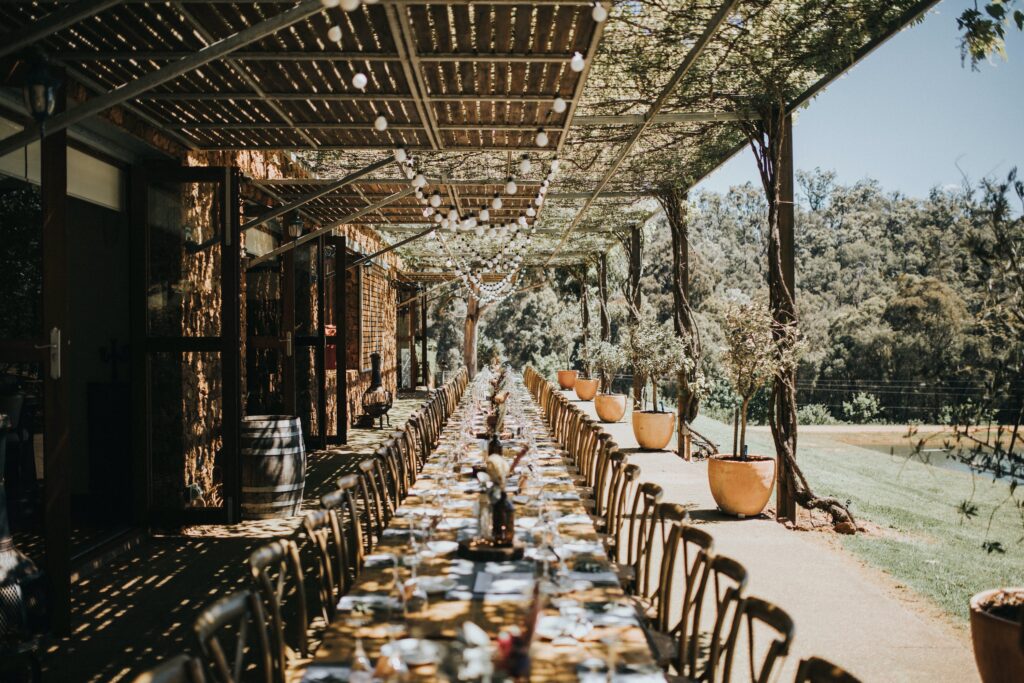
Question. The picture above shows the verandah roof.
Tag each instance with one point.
(466, 86)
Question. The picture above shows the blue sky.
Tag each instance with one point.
(909, 114)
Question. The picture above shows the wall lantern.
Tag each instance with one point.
(40, 90)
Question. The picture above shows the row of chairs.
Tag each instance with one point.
(693, 600)
(338, 536)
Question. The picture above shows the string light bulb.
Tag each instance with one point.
(435, 199)
(542, 138)
(328, 4)
(350, 5)
(599, 13)
(525, 166)
(359, 81)
(576, 63)
(485, 215)
(559, 105)
(510, 186)
(419, 180)
(334, 34)
(400, 154)
(496, 202)
(380, 123)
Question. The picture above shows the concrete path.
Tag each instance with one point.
(844, 611)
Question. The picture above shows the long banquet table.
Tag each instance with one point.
(493, 595)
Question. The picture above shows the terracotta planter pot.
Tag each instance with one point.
(741, 487)
(610, 407)
(567, 378)
(652, 430)
(998, 645)
(586, 389)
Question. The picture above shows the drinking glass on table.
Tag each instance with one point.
(362, 669)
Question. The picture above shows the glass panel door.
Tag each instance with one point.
(188, 330)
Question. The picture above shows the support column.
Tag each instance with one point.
(56, 387)
(602, 293)
(414, 365)
(321, 348)
(635, 267)
(341, 338)
(424, 362)
(584, 306)
(288, 330)
(785, 502)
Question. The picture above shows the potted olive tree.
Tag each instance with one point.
(587, 385)
(655, 352)
(566, 378)
(607, 358)
(756, 348)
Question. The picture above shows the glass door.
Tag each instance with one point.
(186, 342)
(270, 337)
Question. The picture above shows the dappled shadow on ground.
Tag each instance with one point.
(139, 609)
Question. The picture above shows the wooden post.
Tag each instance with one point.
(321, 349)
(341, 340)
(635, 267)
(56, 386)
(785, 503)
(424, 362)
(602, 292)
(584, 308)
(288, 332)
(414, 366)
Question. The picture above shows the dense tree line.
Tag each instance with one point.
(891, 291)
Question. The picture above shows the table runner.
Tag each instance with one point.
(587, 618)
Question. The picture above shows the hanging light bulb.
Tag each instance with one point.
(479, 231)
(559, 105)
(438, 217)
(435, 199)
(599, 13)
(522, 221)
(453, 215)
(380, 123)
(419, 180)
(328, 4)
(531, 212)
(524, 164)
(427, 212)
(538, 200)
(334, 34)
(576, 63)
(400, 154)
(510, 186)
(485, 215)
(448, 263)
(350, 5)
(496, 202)
(359, 81)
(542, 138)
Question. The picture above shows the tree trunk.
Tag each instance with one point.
(673, 202)
(473, 311)
(768, 139)
(743, 427)
(585, 319)
(633, 247)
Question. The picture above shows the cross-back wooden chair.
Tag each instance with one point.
(655, 578)
(324, 533)
(626, 484)
(278, 578)
(372, 517)
(604, 497)
(728, 582)
(236, 616)
(641, 514)
(386, 483)
(343, 502)
(759, 616)
(818, 670)
(179, 669)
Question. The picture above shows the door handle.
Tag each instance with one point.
(287, 339)
(54, 347)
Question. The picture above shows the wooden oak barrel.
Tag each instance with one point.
(273, 466)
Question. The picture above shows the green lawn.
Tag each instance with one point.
(931, 548)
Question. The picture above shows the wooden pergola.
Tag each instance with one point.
(647, 102)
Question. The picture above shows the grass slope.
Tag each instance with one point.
(932, 549)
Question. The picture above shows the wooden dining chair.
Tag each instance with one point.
(232, 619)
(279, 580)
(372, 517)
(657, 574)
(386, 484)
(759, 616)
(178, 669)
(343, 502)
(727, 583)
(625, 485)
(641, 513)
(323, 532)
(818, 670)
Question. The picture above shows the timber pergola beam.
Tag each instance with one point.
(328, 229)
(195, 60)
(51, 23)
(684, 67)
(325, 190)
